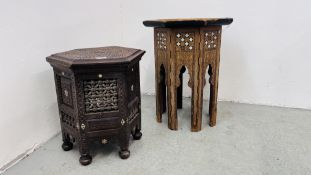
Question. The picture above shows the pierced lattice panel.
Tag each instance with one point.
(184, 41)
(68, 120)
(161, 39)
(211, 39)
(100, 95)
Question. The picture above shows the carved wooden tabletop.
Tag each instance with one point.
(99, 55)
(188, 22)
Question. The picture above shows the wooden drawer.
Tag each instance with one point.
(103, 124)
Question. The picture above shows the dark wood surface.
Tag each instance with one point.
(188, 22)
(95, 56)
(98, 101)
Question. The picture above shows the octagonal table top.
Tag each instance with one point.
(188, 22)
(95, 56)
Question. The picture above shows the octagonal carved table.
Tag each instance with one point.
(181, 44)
(98, 94)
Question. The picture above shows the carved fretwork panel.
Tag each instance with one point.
(211, 44)
(185, 53)
(211, 39)
(161, 40)
(100, 95)
(209, 60)
(184, 41)
(184, 59)
(68, 121)
(162, 45)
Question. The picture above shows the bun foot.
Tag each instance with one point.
(124, 154)
(85, 159)
(137, 135)
(67, 146)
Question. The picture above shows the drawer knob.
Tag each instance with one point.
(132, 69)
(100, 75)
(122, 122)
(132, 88)
(82, 126)
(104, 141)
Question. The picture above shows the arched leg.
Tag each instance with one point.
(213, 72)
(172, 99)
(197, 98)
(180, 88)
(163, 91)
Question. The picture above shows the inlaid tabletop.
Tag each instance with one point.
(99, 55)
(188, 22)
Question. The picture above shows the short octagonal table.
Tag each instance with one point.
(98, 94)
(181, 44)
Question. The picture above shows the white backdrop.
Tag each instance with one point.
(265, 56)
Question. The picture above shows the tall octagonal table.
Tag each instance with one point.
(181, 44)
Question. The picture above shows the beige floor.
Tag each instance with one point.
(248, 139)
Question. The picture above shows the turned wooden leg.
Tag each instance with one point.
(137, 134)
(197, 99)
(213, 72)
(172, 101)
(137, 131)
(180, 88)
(85, 158)
(67, 144)
(124, 152)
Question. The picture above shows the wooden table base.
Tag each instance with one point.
(193, 45)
